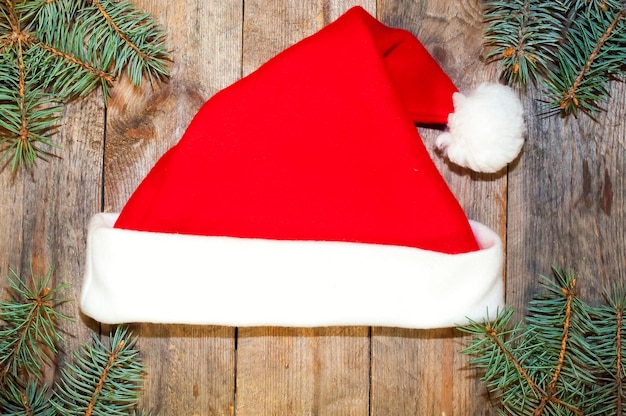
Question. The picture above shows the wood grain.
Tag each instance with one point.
(319, 371)
(422, 373)
(567, 202)
(561, 203)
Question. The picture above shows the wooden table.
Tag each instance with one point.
(561, 203)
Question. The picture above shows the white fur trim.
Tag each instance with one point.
(486, 129)
(135, 276)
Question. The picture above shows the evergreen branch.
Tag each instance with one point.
(569, 102)
(102, 380)
(103, 376)
(103, 75)
(493, 335)
(552, 317)
(54, 51)
(571, 352)
(520, 34)
(617, 302)
(30, 401)
(117, 30)
(618, 364)
(70, 70)
(25, 123)
(13, 21)
(36, 114)
(507, 359)
(574, 49)
(49, 13)
(22, 144)
(569, 293)
(610, 350)
(131, 34)
(30, 332)
(107, 377)
(23, 132)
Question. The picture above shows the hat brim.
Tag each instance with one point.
(137, 276)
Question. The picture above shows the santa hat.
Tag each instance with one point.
(302, 195)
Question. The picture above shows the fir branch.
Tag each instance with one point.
(23, 146)
(102, 380)
(520, 34)
(117, 27)
(555, 317)
(566, 358)
(573, 49)
(586, 65)
(619, 352)
(26, 121)
(56, 51)
(73, 61)
(568, 287)
(29, 401)
(611, 351)
(507, 357)
(619, 369)
(29, 334)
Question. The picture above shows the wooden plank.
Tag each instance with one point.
(44, 213)
(285, 370)
(11, 222)
(296, 371)
(190, 369)
(415, 371)
(76, 181)
(567, 202)
(272, 26)
(565, 206)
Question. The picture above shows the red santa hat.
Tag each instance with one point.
(302, 195)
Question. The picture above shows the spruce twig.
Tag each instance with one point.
(55, 51)
(566, 358)
(555, 317)
(29, 334)
(611, 351)
(573, 49)
(103, 380)
(29, 401)
(581, 80)
(519, 35)
(494, 347)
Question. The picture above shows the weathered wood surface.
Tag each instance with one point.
(561, 203)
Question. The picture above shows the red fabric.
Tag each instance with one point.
(317, 144)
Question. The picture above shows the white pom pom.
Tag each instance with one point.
(486, 130)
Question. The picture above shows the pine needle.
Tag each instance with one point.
(29, 401)
(520, 34)
(103, 379)
(592, 60)
(56, 51)
(573, 49)
(29, 334)
(566, 358)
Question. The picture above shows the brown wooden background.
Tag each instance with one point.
(561, 203)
